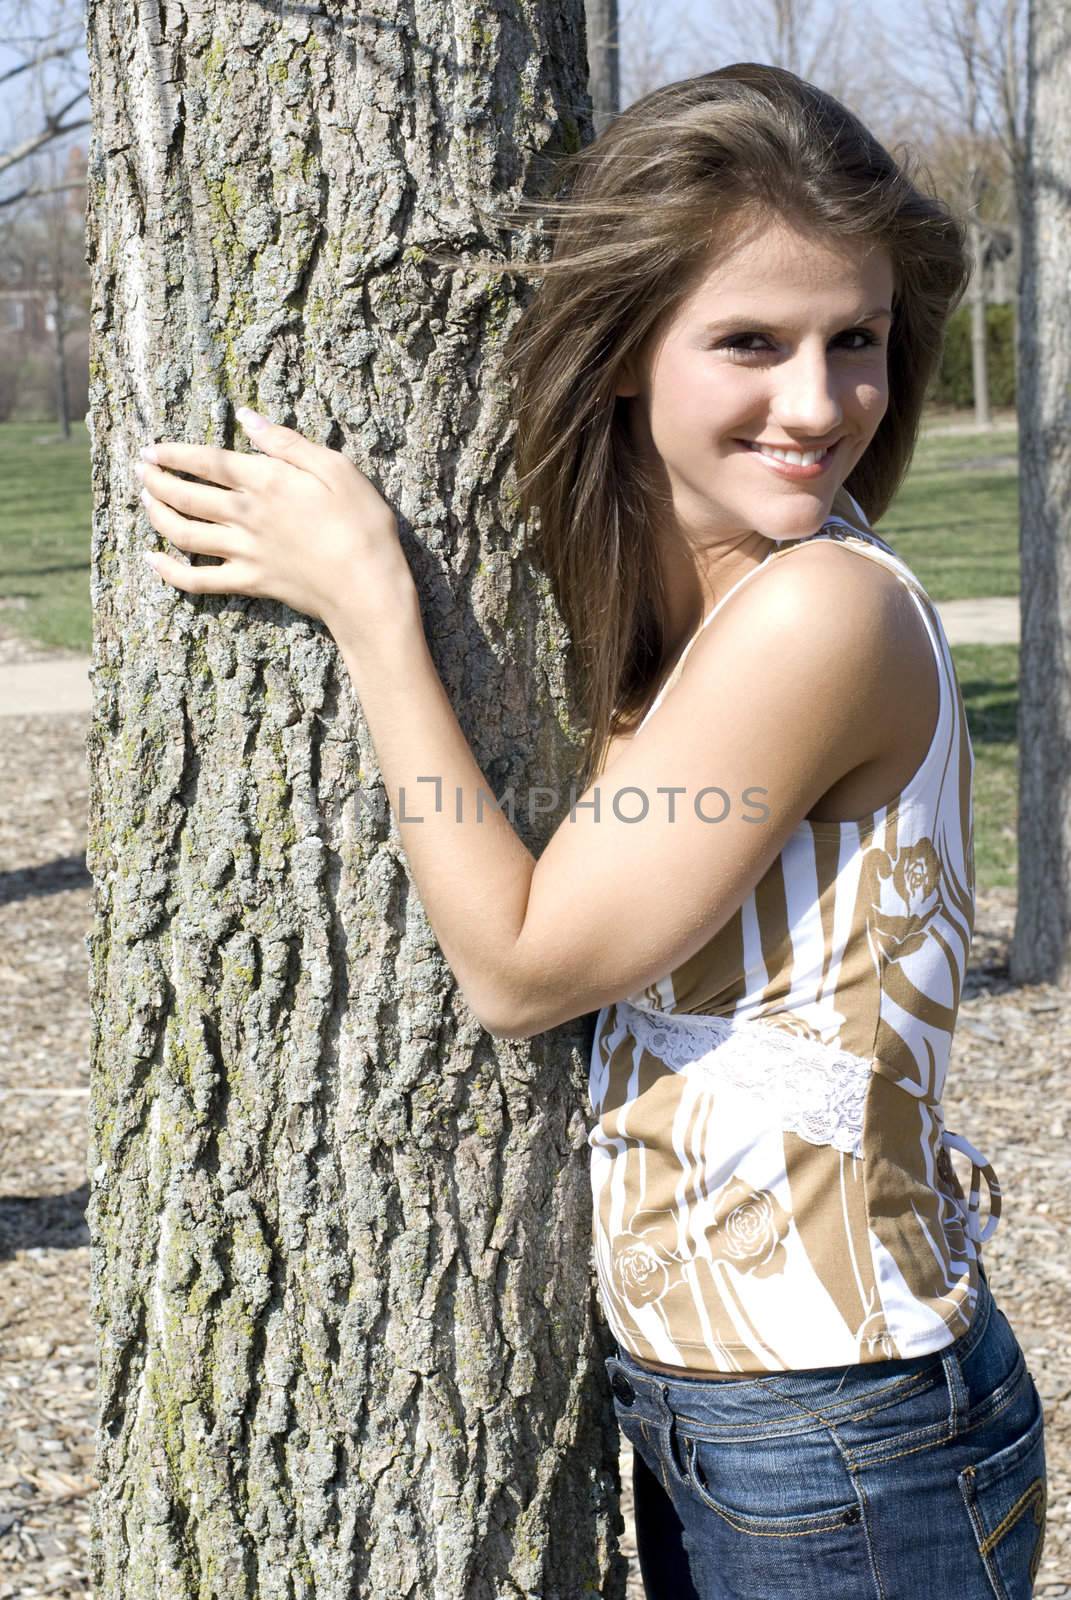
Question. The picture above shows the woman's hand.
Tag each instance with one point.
(304, 526)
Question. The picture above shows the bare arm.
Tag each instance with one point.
(473, 876)
(775, 706)
(777, 702)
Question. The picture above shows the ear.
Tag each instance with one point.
(626, 382)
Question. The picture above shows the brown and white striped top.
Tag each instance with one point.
(769, 1164)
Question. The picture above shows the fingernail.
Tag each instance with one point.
(251, 419)
(148, 452)
(147, 555)
(146, 497)
(139, 469)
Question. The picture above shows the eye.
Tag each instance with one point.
(740, 347)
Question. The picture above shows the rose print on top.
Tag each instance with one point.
(905, 897)
(750, 1227)
(645, 1267)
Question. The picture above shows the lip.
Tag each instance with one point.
(789, 469)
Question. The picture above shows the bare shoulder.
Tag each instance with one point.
(841, 594)
(846, 628)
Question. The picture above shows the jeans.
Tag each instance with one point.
(887, 1480)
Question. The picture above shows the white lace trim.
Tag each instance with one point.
(820, 1091)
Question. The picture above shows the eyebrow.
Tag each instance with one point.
(755, 323)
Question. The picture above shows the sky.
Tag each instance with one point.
(659, 44)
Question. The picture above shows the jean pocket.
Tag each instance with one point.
(1005, 1495)
(740, 1487)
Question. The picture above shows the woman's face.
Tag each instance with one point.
(782, 345)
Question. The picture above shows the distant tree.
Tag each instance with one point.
(650, 51)
(1041, 946)
(968, 64)
(818, 43)
(604, 73)
(64, 279)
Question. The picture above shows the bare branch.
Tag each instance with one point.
(39, 60)
(54, 127)
(32, 193)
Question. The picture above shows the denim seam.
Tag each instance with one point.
(991, 1407)
(864, 1460)
(994, 1403)
(824, 1421)
(921, 1386)
(979, 1535)
(820, 1522)
(986, 1409)
(860, 1490)
(930, 1433)
(1024, 1504)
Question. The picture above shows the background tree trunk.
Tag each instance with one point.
(975, 236)
(1041, 947)
(604, 61)
(349, 1343)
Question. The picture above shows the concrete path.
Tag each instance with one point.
(49, 684)
(981, 621)
(60, 684)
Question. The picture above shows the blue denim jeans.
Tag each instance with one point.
(887, 1480)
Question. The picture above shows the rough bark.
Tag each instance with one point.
(348, 1339)
(1041, 948)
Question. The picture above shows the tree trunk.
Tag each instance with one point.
(349, 1343)
(63, 409)
(1041, 947)
(975, 235)
(604, 61)
(979, 352)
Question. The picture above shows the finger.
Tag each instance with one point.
(226, 467)
(334, 470)
(192, 499)
(224, 579)
(197, 538)
(286, 444)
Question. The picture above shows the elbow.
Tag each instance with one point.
(504, 1023)
(499, 1016)
(505, 1016)
(507, 1031)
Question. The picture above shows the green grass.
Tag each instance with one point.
(989, 680)
(956, 519)
(954, 523)
(44, 551)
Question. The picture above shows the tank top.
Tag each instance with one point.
(771, 1181)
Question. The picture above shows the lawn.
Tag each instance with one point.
(989, 681)
(45, 506)
(954, 522)
(956, 519)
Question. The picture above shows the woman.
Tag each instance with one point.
(719, 389)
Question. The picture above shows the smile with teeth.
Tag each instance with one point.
(795, 458)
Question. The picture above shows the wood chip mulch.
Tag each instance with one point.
(1007, 1092)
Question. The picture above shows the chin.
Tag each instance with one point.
(799, 526)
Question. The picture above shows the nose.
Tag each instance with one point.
(806, 399)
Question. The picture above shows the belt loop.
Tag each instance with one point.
(678, 1456)
(957, 1389)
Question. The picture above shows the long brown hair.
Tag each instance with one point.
(647, 200)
